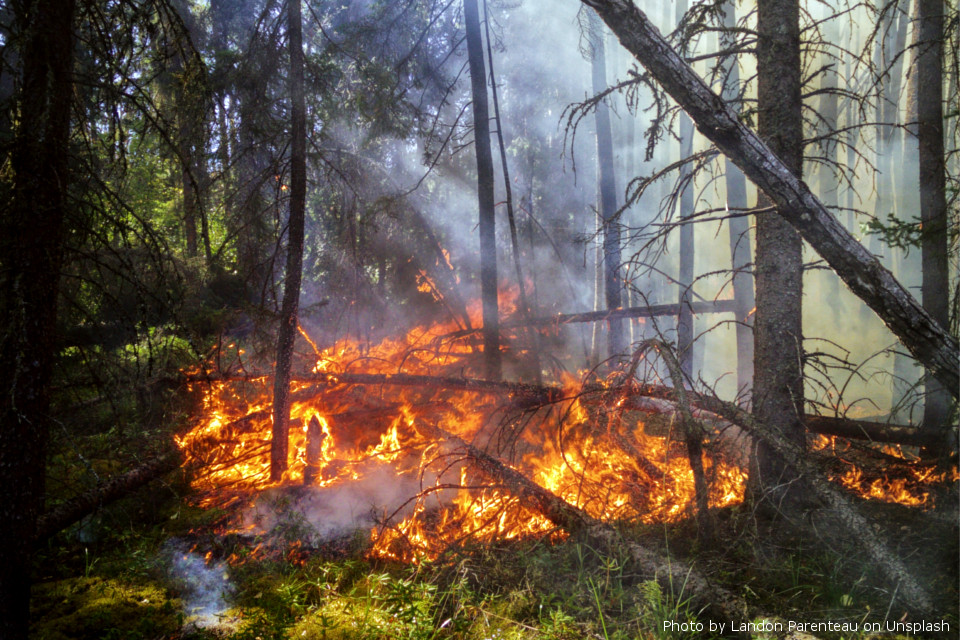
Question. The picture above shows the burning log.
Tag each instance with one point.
(639, 398)
(668, 571)
(326, 381)
(75, 509)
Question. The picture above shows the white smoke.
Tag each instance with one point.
(204, 588)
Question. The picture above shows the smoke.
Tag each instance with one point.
(553, 178)
(204, 587)
(318, 514)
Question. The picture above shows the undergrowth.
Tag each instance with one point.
(112, 579)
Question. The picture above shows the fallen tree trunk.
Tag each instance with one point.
(658, 403)
(75, 509)
(670, 573)
(929, 342)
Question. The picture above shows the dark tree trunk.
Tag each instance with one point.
(739, 227)
(291, 283)
(248, 221)
(612, 283)
(778, 372)
(31, 231)
(188, 184)
(933, 202)
(927, 339)
(488, 239)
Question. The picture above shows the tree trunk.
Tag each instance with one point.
(488, 239)
(928, 340)
(291, 284)
(612, 283)
(778, 372)
(933, 202)
(739, 227)
(188, 105)
(31, 250)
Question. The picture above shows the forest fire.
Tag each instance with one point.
(565, 445)
(591, 453)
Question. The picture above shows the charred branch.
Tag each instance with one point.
(877, 432)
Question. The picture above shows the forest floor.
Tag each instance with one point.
(154, 567)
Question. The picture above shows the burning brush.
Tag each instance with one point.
(425, 459)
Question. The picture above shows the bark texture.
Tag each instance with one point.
(481, 145)
(927, 339)
(294, 269)
(778, 332)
